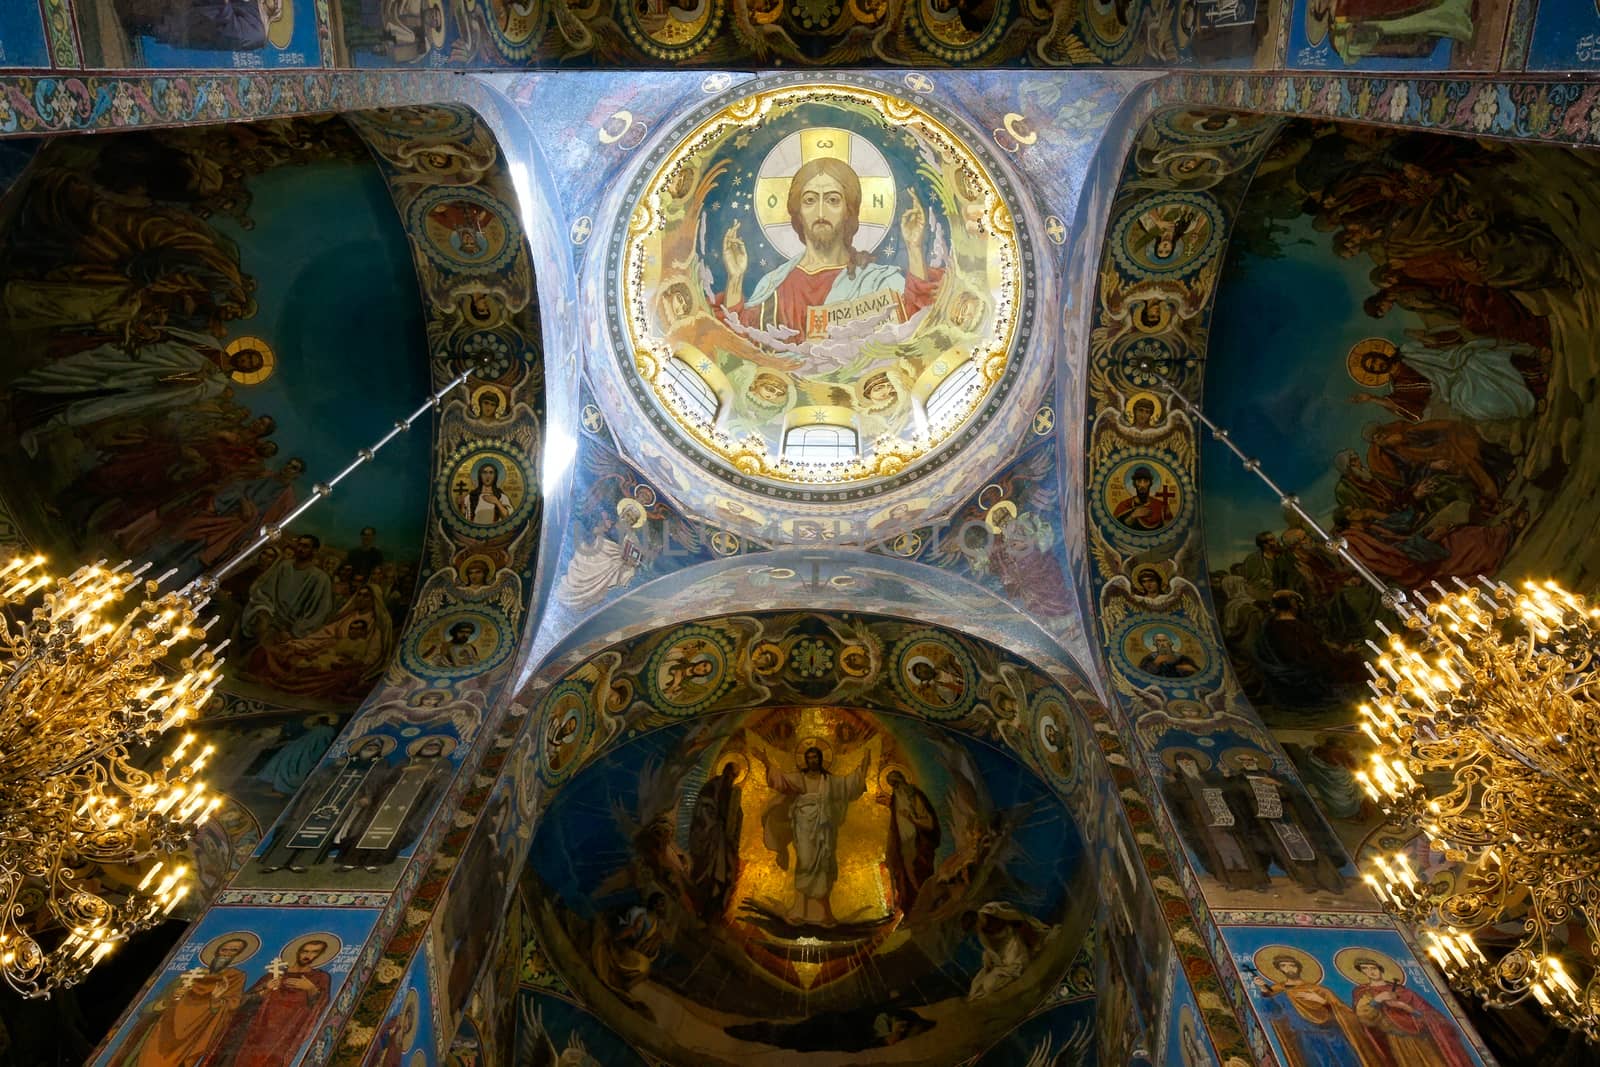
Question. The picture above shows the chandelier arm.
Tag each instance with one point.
(269, 533)
(1394, 598)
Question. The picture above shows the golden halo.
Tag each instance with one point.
(1229, 760)
(1345, 960)
(1127, 409)
(446, 740)
(1169, 756)
(886, 770)
(385, 740)
(878, 187)
(252, 946)
(813, 742)
(630, 513)
(269, 360)
(1310, 969)
(435, 26)
(487, 561)
(331, 949)
(1319, 15)
(413, 1002)
(1360, 374)
(992, 517)
(499, 394)
(280, 27)
(419, 1058)
(741, 766)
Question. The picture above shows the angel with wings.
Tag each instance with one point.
(985, 842)
(490, 414)
(1154, 588)
(474, 580)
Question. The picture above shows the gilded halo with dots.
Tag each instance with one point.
(821, 285)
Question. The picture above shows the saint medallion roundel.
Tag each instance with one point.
(690, 670)
(820, 285)
(936, 675)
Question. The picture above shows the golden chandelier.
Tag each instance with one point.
(95, 668)
(1487, 738)
(1486, 727)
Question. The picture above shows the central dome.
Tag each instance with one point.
(820, 285)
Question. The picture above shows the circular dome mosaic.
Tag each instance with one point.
(820, 286)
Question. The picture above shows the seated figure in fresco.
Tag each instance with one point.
(624, 948)
(1010, 940)
(339, 659)
(825, 210)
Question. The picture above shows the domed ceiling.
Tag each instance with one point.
(817, 295)
(819, 286)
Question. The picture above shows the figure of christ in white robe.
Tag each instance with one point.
(809, 814)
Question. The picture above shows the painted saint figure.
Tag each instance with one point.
(458, 650)
(1314, 1026)
(1207, 814)
(187, 1022)
(1166, 660)
(336, 803)
(485, 503)
(714, 840)
(1143, 510)
(1412, 1031)
(808, 815)
(825, 210)
(283, 1007)
(399, 817)
(913, 840)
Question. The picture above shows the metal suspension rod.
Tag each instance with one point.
(1394, 598)
(268, 533)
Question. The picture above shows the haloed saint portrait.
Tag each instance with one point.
(820, 284)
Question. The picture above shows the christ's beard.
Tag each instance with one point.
(824, 236)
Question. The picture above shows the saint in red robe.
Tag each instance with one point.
(279, 1014)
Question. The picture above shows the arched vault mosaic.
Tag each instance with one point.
(1259, 854)
(326, 887)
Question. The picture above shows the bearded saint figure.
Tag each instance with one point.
(808, 815)
(825, 210)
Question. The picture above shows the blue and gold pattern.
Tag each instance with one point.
(690, 670)
(935, 675)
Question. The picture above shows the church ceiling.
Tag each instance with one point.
(1060, 517)
(680, 461)
(1433, 414)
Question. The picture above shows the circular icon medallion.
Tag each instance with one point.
(464, 228)
(935, 674)
(488, 492)
(690, 670)
(1168, 236)
(564, 726)
(458, 643)
(805, 272)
